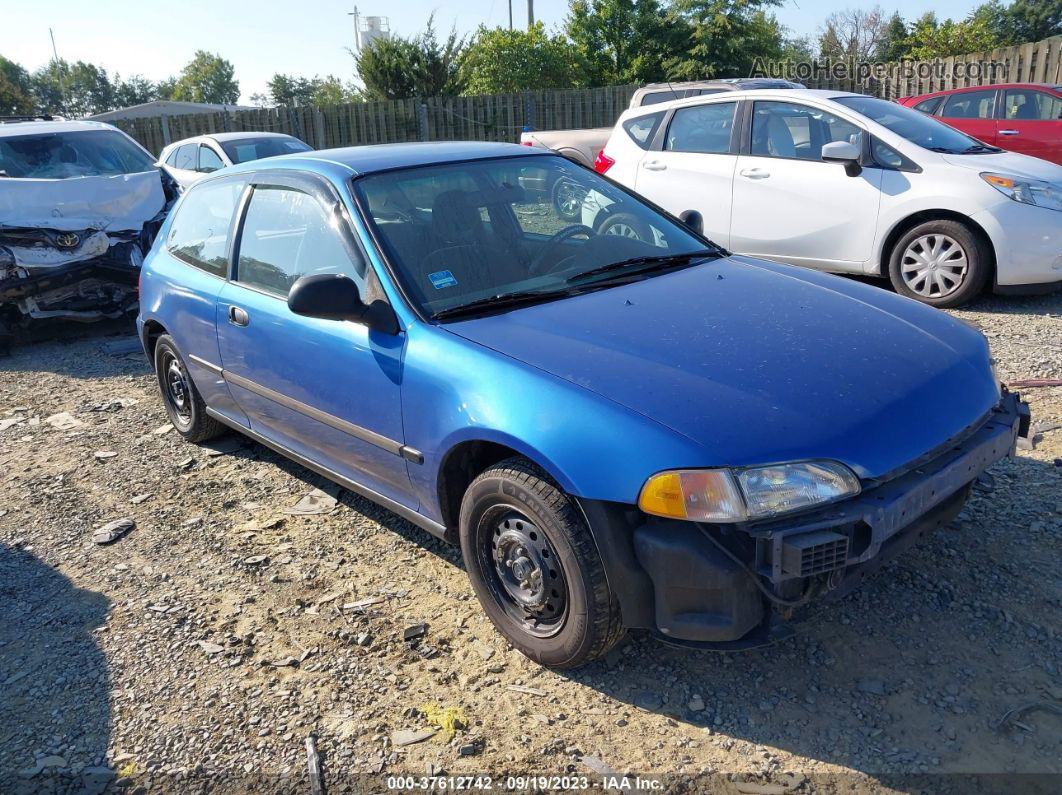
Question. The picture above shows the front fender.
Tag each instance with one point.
(455, 391)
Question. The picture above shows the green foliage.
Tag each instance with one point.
(502, 61)
(932, 39)
(895, 43)
(1034, 20)
(725, 37)
(422, 66)
(73, 90)
(623, 41)
(207, 78)
(16, 92)
(135, 91)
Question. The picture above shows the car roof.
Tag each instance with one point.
(945, 91)
(50, 127)
(785, 94)
(730, 83)
(224, 137)
(361, 160)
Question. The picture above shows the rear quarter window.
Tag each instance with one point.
(642, 128)
(929, 105)
(199, 234)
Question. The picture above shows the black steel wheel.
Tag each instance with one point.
(535, 568)
(182, 400)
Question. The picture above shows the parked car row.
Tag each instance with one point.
(620, 431)
(845, 183)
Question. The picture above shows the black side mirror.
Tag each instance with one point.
(332, 296)
(694, 220)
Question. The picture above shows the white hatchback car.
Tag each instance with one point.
(193, 158)
(845, 183)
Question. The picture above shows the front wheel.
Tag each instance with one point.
(626, 225)
(940, 263)
(535, 568)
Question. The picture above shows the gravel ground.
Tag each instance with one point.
(207, 644)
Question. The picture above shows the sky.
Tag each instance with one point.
(302, 37)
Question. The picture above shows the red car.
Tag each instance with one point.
(1021, 117)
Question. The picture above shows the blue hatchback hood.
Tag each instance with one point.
(761, 363)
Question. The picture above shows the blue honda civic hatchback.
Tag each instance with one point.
(619, 433)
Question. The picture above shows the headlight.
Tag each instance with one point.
(722, 495)
(1027, 191)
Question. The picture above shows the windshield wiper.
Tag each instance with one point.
(643, 264)
(978, 148)
(502, 300)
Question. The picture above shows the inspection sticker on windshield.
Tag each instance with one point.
(441, 279)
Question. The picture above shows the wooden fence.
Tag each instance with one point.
(501, 117)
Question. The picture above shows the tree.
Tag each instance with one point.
(725, 37)
(622, 41)
(16, 91)
(932, 39)
(332, 91)
(135, 91)
(501, 61)
(75, 90)
(422, 66)
(207, 78)
(895, 42)
(853, 34)
(1034, 20)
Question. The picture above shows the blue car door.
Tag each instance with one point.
(327, 390)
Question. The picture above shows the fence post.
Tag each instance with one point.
(529, 110)
(296, 127)
(165, 130)
(422, 120)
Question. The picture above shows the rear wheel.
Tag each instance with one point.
(535, 568)
(567, 196)
(940, 263)
(182, 400)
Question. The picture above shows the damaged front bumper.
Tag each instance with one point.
(726, 586)
(72, 248)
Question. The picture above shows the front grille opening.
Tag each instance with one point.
(813, 553)
(861, 536)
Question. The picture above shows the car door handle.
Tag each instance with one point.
(237, 316)
(654, 165)
(1010, 132)
(755, 173)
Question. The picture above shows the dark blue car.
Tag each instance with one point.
(620, 433)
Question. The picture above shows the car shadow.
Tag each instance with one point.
(55, 714)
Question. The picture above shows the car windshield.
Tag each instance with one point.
(244, 149)
(465, 234)
(84, 153)
(915, 126)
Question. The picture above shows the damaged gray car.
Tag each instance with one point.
(80, 204)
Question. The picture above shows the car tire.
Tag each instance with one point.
(535, 567)
(626, 225)
(184, 404)
(567, 197)
(940, 263)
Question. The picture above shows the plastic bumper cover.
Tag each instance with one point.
(670, 578)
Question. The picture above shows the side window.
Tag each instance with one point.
(172, 159)
(971, 105)
(929, 105)
(702, 128)
(199, 234)
(791, 130)
(642, 128)
(656, 97)
(1028, 105)
(185, 157)
(288, 234)
(208, 159)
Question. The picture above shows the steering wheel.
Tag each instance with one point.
(538, 266)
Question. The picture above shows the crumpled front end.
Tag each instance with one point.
(72, 248)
